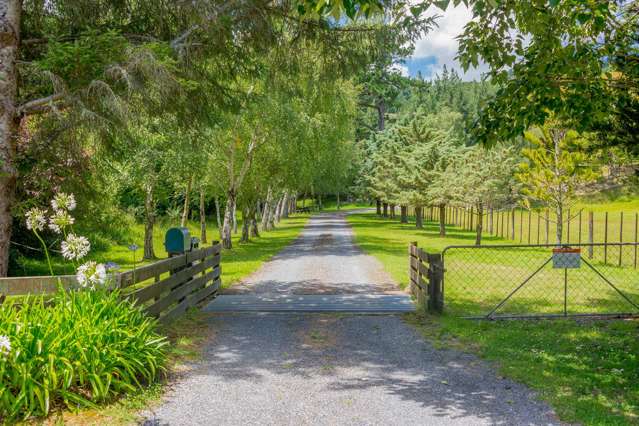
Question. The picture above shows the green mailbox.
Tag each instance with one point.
(177, 241)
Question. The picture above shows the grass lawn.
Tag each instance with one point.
(238, 262)
(588, 370)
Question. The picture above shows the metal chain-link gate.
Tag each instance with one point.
(501, 281)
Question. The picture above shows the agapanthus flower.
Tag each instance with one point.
(111, 266)
(91, 274)
(36, 219)
(60, 220)
(75, 247)
(63, 201)
(5, 346)
(133, 247)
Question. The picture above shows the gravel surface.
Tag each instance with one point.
(336, 369)
(324, 259)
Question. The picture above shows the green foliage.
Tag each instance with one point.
(550, 58)
(556, 168)
(86, 348)
(84, 59)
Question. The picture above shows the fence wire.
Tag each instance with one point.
(523, 280)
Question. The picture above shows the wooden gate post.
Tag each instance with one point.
(435, 290)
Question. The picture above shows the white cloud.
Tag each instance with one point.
(441, 43)
(403, 69)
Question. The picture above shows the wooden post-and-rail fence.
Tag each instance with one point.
(426, 272)
(178, 283)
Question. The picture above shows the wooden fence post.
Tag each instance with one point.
(411, 270)
(579, 237)
(492, 222)
(620, 236)
(529, 225)
(606, 238)
(435, 290)
(521, 226)
(591, 231)
(636, 235)
(568, 226)
(538, 228)
(472, 218)
(512, 224)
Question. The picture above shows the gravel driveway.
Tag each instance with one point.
(336, 369)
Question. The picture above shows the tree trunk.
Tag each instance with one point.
(319, 198)
(338, 201)
(234, 216)
(149, 213)
(385, 210)
(245, 225)
(419, 217)
(403, 214)
(255, 232)
(266, 211)
(10, 34)
(285, 205)
(278, 209)
(560, 225)
(218, 219)
(271, 216)
(480, 221)
(442, 220)
(202, 218)
(187, 203)
(381, 114)
(392, 211)
(227, 242)
(378, 205)
(258, 210)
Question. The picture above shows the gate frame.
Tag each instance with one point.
(490, 315)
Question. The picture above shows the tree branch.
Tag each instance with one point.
(39, 105)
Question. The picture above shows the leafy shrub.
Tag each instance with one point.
(84, 348)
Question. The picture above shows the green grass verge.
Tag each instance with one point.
(588, 371)
(242, 260)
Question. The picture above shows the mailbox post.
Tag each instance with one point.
(178, 241)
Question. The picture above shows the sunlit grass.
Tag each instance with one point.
(242, 260)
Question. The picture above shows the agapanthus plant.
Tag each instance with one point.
(75, 247)
(63, 202)
(60, 220)
(92, 275)
(5, 346)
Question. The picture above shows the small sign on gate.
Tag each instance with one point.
(566, 258)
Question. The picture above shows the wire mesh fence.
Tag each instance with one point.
(539, 280)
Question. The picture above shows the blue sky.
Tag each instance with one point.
(439, 47)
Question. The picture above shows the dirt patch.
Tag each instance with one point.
(320, 334)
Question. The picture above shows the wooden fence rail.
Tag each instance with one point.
(426, 273)
(179, 283)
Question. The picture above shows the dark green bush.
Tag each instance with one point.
(85, 348)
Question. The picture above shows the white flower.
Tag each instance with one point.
(91, 274)
(36, 219)
(75, 247)
(60, 220)
(5, 346)
(63, 201)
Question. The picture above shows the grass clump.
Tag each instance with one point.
(81, 349)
